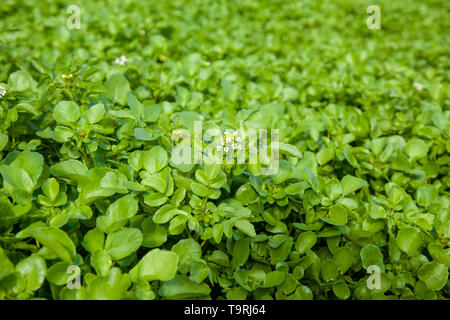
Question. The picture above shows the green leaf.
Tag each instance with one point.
(122, 243)
(241, 251)
(135, 105)
(96, 113)
(156, 265)
(24, 171)
(90, 188)
(151, 113)
(290, 150)
(325, 155)
(181, 287)
(6, 266)
(66, 112)
(302, 293)
(341, 290)
(17, 178)
(273, 279)
(336, 216)
(351, 184)
(155, 199)
(57, 241)
(145, 134)
(409, 239)
(343, 257)
(246, 227)
(101, 261)
(3, 140)
(94, 240)
(69, 169)
(118, 214)
(377, 212)
(416, 149)
(154, 235)
(305, 241)
(188, 250)
(50, 187)
(155, 159)
(434, 274)
(20, 81)
(177, 224)
(312, 179)
(58, 274)
(425, 195)
(166, 213)
(33, 269)
(199, 189)
(117, 88)
(107, 287)
(333, 189)
(371, 255)
(198, 271)
(329, 270)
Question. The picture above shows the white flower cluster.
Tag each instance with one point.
(176, 134)
(230, 140)
(2, 91)
(121, 60)
(418, 86)
(67, 76)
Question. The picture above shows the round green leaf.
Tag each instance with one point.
(341, 290)
(66, 112)
(305, 241)
(371, 255)
(409, 239)
(123, 242)
(33, 269)
(416, 148)
(156, 265)
(434, 274)
(337, 216)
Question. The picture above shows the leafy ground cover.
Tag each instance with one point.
(358, 209)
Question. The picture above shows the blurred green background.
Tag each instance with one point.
(322, 47)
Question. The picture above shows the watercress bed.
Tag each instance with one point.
(93, 206)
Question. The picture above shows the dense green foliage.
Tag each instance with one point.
(85, 139)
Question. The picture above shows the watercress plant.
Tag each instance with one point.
(90, 117)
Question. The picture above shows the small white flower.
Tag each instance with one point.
(229, 132)
(225, 149)
(418, 86)
(238, 139)
(176, 134)
(219, 148)
(228, 139)
(63, 76)
(121, 60)
(2, 91)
